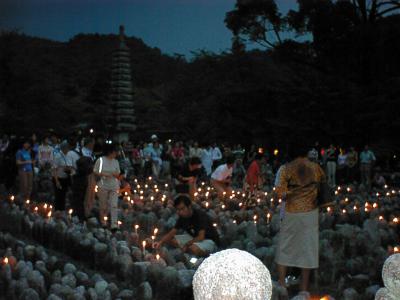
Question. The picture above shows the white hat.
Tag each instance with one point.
(154, 137)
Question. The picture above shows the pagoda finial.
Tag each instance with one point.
(121, 30)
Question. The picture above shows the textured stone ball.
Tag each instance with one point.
(384, 294)
(391, 274)
(232, 275)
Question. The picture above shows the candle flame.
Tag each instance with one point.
(395, 220)
(12, 198)
(49, 214)
(396, 249)
(155, 231)
(136, 226)
(6, 260)
(71, 211)
(158, 256)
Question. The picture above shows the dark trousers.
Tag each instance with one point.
(79, 186)
(60, 194)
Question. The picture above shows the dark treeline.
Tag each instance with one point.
(340, 83)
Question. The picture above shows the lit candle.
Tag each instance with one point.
(396, 250)
(380, 218)
(158, 256)
(343, 211)
(215, 224)
(105, 219)
(240, 204)
(153, 238)
(155, 231)
(255, 219)
(396, 220)
(96, 188)
(45, 206)
(136, 228)
(268, 217)
(144, 247)
(206, 204)
(328, 209)
(49, 215)
(70, 213)
(36, 209)
(119, 224)
(375, 205)
(223, 206)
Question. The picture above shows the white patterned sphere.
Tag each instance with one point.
(232, 275)
(384, 294)
(391, 274)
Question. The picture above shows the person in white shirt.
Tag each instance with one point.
(45, 154)
(195, 151)
(221, 178)
(206, 159)
(216, 156)
(62, 169)
(107, 168)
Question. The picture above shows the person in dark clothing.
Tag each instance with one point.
(80, 184)
(200, 236)
(187, 177)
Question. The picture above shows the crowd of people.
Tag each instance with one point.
(84, 167)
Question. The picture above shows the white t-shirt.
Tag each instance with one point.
(73, 157)
(342, 159)
(107, 166)
(216, 154)
(222, 172)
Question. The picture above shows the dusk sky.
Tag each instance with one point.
(174, 26)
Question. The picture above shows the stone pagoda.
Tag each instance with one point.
(122, 119)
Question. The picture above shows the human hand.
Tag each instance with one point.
(58, 185)
(157, 245)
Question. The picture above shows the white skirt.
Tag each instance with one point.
(298, 244)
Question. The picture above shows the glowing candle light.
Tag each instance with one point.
(28, 201)
(199, 190)
(206, 204)
(385, 186)
(5, 260)
(166, 185)
(146, 186)
(36, 209)
(336, 192)
(203, 183)
(366, 209)
(158, 256)
(224, 193)
(45, 206)
(349, 189)
(396, 250)
(366, 204)
(119, 223)
(223, 206)
(272, 199)
(396, 220)
(156, 190)
(195, 194)
(141, 197)
(243, 195)
(49, 215)
(328, 209)
(346, 199)
(343, 211)
(70, 211)
(132, 202)
(96, 188)
(266, 193)
(155, 231)
(150, 178)
(240, 204)
(355, 207)
(141, 191)
(215, 224)
(375, 205)
(258, 200)
(268, 217)
(255, 219)
(136, 228)
(380, 218)
(152, 198)
(234, 221)
(105, 219)
(280, 200)
(339, 188)
(144, 246)
(12, 198)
